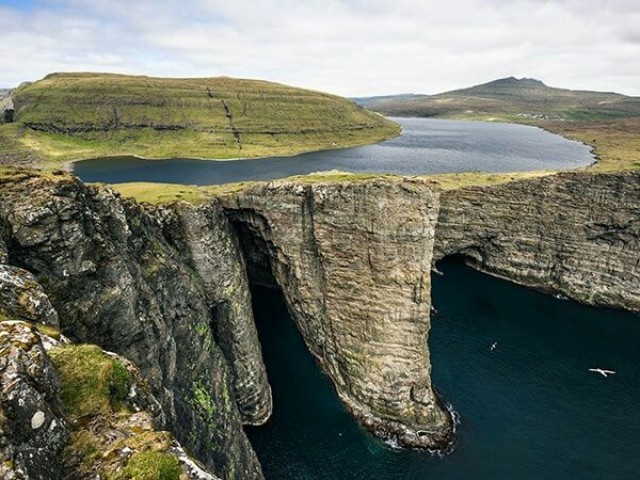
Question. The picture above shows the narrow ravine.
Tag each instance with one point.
(529, 408)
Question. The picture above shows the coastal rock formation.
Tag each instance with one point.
(576, 234)
(167, 288)
(204, 238)
(353, 260)
(77, 412)
(117, 282)
(6, 106)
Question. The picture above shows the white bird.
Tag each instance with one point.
(604, 373)
(493, 347)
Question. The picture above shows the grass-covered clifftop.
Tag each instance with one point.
(68, 116)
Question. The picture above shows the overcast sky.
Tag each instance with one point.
(348, 47)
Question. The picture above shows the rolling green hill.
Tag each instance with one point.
(68, 116)
(511, 99)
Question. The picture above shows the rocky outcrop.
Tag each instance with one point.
(85, 414)
(353, 260)
(576, 234)
(116, 281)
(33, 430)
(114, 419)
(21, 296)
(6, 107)
(75, 411)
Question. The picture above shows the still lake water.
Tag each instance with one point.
(529, 409)
(426, 146)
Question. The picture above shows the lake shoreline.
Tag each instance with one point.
(426, 147)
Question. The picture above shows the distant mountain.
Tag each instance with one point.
(509, 98)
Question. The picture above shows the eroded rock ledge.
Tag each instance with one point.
(575, 234)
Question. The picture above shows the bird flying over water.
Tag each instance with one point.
(604, 373)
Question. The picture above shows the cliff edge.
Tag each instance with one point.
(167, 287)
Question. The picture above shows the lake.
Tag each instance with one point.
(529, 409)
(426, 146)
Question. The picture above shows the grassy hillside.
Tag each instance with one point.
(368, 102)
(512, 99)
(78, 115)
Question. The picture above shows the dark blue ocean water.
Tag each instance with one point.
(530, 409)
(426, 146)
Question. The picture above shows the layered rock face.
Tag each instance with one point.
(116, 281)
(577, 234)
(354, 261)
(204, 238)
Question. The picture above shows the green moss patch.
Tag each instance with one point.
(93, 383)
(151, 466)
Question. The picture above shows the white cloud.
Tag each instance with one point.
(350, 47)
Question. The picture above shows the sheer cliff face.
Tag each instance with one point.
(577, 234)
(117, 281)
(208, 245)
(168, 288)
(354, 261)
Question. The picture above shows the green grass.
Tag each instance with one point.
(615, 143)
(452, 181)
(74, 116)
(162, 193)
(93, 383)
(94, 387)
(151, 465)
(159, 193)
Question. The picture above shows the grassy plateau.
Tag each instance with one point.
(71, 116)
